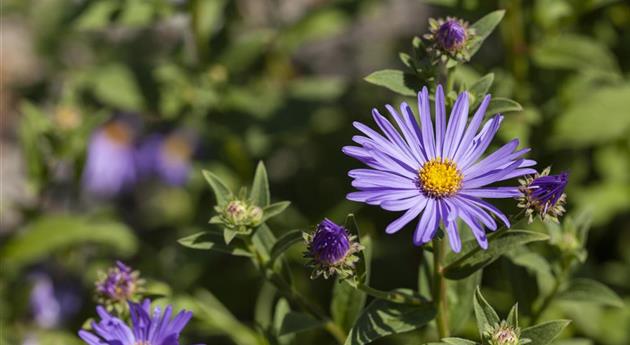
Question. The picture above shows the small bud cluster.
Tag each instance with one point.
(503, 334)
(449, 37)
(239, 215)
(543, 194)
(331, 250)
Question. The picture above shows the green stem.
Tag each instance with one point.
(294, 296)
(554, 291)
(392, 296)
(439, 288)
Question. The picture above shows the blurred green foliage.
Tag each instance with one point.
(281, 81)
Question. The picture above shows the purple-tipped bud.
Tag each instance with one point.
(544, 194)
(330, 243)
(451, 36)
(331, 250)
(120, 283)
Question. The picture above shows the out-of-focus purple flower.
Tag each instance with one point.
(436, 173)
(110, 167)
(51, 305)
(148, 327)
(167, 157)
(120, 283)
(543, 194)
(331, 250)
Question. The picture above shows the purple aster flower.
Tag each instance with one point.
(120, 283)
(451, 35)
(167, 157)
(544, 194)
(109, 167)
(147, 327)
(50, 304)
(436, 172)
(331, 249)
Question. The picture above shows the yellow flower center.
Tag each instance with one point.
(440, 178)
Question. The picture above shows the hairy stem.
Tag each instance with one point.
(439, 288)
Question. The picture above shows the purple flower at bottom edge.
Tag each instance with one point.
(110, 167)
(436, 173)
(147, 327)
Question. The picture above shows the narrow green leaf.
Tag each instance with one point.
(544, 333)
(264, 310)
(474, 257)
(458, 341)
(459, 302)
(512, 318)
(570, 51)
(502, 105)
(483, 28)
(285, 242)
(228, 235)
(395, 80)
(588, 290)
(260, 187)
(484, 313)
(48, 234)
(347, 301)
(480, 88)
(295, 322)
(221, 192)
(382, 318)
(275, 209)
(212, 241)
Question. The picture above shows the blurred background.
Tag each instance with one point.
(111, 108)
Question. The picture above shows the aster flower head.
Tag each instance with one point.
(167, 157)
(110, 167)
(543, 194)
(148, 327)
(331, 250)
(449, 37)
(436, 173)
(119, 284)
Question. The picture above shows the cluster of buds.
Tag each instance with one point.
(240, 216)
(332, 251)
(504, 334)
(449, 38)
(543, 195)
(119, 285)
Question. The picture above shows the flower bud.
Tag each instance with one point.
(544, 195)
(331, 250)
(119, 284)
(503, 334)
(449, 37)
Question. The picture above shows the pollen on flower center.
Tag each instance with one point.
(439, 178)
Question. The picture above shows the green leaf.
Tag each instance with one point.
(49, 234)
(295, 322)
(347, 301)
(458, 341)
(260, 187)
(275, 209)
(221, 192)
(597, 118)
(285, 242)
(283, 308)
(480, 88)
(212, 241)
(228, 235)
(459, 302)
(395, 80)
(512, 318)
(382, 318)
(569, 51)
(502, 105)
(588, 290)
(484, 313)
(544, 333)
(474, 257)
(116, 85)
(483, 28)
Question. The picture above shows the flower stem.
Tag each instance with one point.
(439, 288)
(293, 295)
(392, 296)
